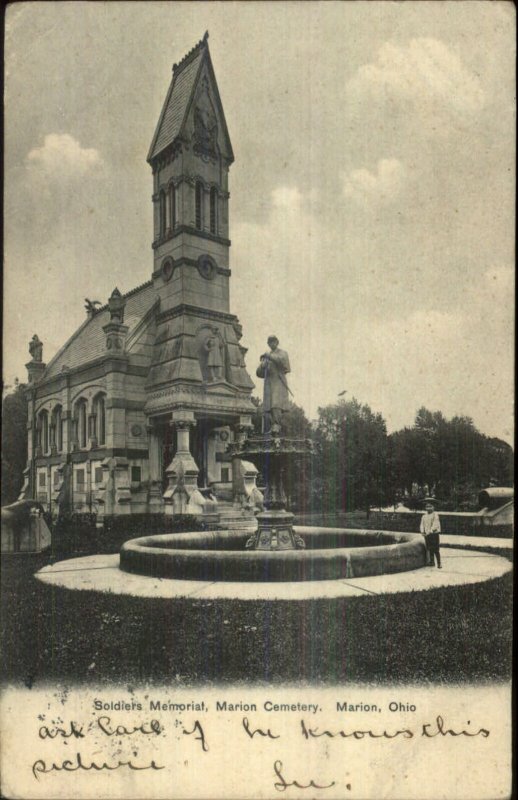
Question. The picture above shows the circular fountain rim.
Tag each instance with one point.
(404, 552)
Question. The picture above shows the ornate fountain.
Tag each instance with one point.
(275, 551)
(274, 454)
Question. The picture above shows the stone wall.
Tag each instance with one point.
(461, 524)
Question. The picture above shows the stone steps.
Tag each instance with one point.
(235, 519)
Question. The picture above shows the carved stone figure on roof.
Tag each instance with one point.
(36, 349)
(90, 306)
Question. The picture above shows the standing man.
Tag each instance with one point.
(273, 368)
(431, 528)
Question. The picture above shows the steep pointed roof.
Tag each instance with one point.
(179, 99)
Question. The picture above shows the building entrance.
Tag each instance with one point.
(200, 449)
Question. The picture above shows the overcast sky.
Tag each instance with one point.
(372, 196)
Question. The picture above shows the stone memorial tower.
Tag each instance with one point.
(197, 373)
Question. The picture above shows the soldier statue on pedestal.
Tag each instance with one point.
(273, 368)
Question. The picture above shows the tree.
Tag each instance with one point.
(14, 443)
(351, 443)
(501, 462)
(449, 457)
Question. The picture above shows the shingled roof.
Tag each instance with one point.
(179, 98)
(88, 342)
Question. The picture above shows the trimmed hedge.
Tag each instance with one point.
(78, 533)
(450, 525)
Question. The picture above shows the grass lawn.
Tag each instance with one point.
(450, 635)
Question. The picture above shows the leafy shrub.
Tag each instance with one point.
(79, 533)
(450, 524)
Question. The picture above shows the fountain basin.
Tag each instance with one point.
(330, 554)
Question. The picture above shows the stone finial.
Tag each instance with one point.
(116, 305)
(115, 331)
(36, 349)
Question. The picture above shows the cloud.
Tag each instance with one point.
(288, 197)
(349, 317)
(62, 154)
(425, 73)
(380, 186)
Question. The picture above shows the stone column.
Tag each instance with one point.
(52, 439)
(31, 427)
(74, 434)
(92, 430)
(121, 482)
(66, 419)
(155, 502)
(37, 440)
(182, 472)
(29, 484)
(183, 435)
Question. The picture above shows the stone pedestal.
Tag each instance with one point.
(121, 481)
(182, 495)
(114, 494)
(275, 532)
(35, 370)
(26, 490)
(244, 485)
(57, 491)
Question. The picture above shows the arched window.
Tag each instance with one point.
(199, 204)
(172, 207)
(100, 419)
(213, 210)
(163, 214)
(44, 432)
(57, 426)
(80, 418)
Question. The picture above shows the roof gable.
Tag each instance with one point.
(88, 342)
(192, 89)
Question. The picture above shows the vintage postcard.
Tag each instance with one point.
(257, 426)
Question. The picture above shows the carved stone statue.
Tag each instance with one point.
(90, 306)
(205, 123)
(273, 368)
(36, 349)
(214, 360)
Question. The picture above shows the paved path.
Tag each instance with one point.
(486, 543)
(102, 574)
